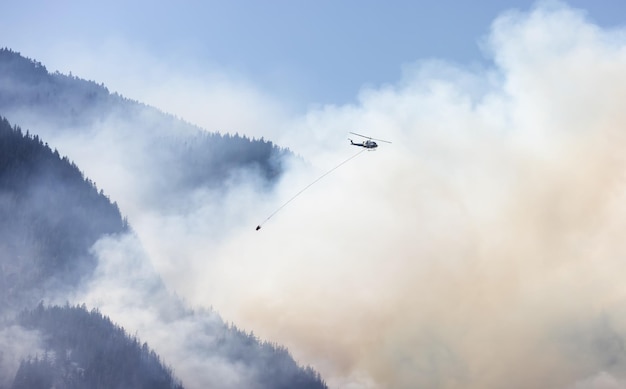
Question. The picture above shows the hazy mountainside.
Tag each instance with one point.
(66, 100)
(68, 110)
(50, 216)
(61, 239)
(86, 350)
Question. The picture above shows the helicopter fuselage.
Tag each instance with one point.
(368, 144)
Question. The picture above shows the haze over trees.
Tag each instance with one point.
(50, 216)
(53, 219)
(84, 349)
(185, 156)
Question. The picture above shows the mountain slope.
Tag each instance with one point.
(150, 163)
(82, 117)
(86, 350)
(53, 226)
(50, 216)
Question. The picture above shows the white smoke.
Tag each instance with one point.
(480, 250)
(601, 380)
(16, 344)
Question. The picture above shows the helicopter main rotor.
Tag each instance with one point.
(369, 137)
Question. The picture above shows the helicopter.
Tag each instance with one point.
(368, 143)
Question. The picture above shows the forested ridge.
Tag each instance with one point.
(209, 158)
(50, 216)
(66, 99)
(84, 349)
(185, 155)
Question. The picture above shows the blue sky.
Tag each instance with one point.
(305, 52)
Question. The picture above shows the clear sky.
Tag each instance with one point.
(302, 52)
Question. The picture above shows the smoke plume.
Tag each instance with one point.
(482, 249)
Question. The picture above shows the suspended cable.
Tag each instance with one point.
(307, 187)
